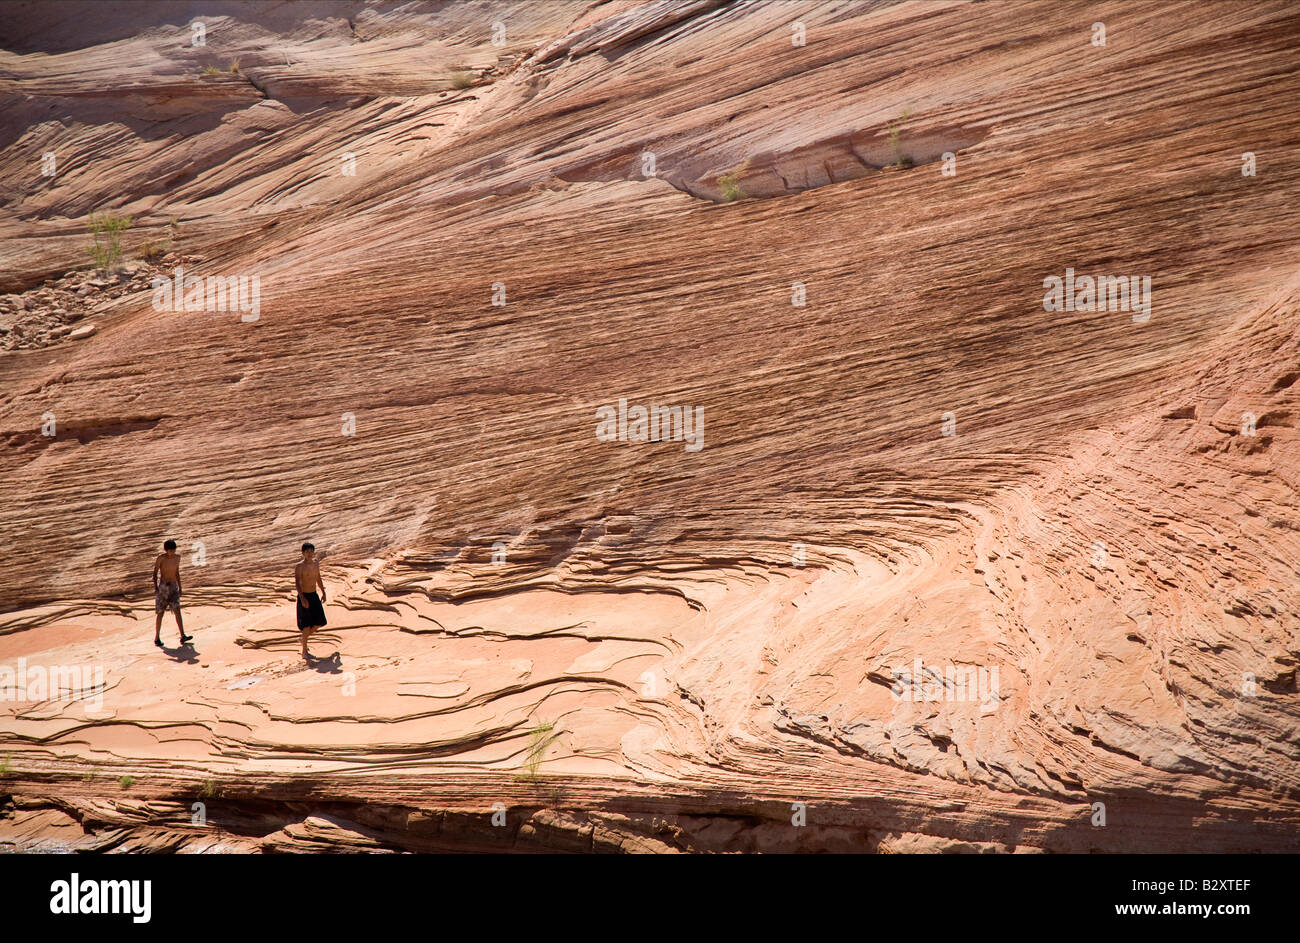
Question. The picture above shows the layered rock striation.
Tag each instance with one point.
(952, 568)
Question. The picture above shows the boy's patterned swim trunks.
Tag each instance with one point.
(167, 596)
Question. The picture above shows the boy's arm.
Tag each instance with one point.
(321, 583)
(157, 562)
(297, 584)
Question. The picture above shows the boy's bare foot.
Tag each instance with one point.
(158, 642)
(186, 638)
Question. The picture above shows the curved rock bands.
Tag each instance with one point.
(952, 569)
(767, 174)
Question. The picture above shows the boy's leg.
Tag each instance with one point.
(157, 627)
(180, 625)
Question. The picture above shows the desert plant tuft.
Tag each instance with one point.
(126, 782)
(5, 767)
(210, 70)
(730, 188)
(106, 229)
(462, 80)
(149, 249)
(539, 738)
(209, 789)
(234, 66)
(896, 143)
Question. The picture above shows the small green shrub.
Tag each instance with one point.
(106, 229)
(730, 188)
(210, 70)
(209, 789)
(5, 766)
(127, 782)
(539, 738)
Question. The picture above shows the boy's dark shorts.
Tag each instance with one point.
(311, 615)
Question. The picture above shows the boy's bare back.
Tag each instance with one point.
(169, 567)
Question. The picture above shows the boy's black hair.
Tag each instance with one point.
(306, 547)
(169, 545)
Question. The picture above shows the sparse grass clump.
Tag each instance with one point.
(106, 229)
(126, 782)
(729, 182)
(5, 766)
(462, 80)
(730, 187)
(210, 70)
(539, 738)
(234, 66)
(208, 790)
(151, 249)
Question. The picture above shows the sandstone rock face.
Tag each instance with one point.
(936, 569)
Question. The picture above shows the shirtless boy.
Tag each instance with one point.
(311, 611)
(167, 593)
